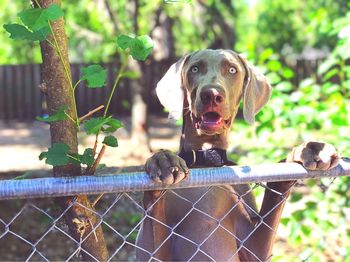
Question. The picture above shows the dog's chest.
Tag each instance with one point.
(204, 205)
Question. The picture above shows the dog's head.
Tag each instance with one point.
(209, 85)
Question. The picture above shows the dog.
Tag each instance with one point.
(224, 224)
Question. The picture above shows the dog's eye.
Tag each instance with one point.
(194, 69)
(232, 70)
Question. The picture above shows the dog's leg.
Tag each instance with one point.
(154, 229)
(312, 155)
(167, 168)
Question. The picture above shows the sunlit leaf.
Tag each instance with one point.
(296, 196)
(95, 75)
(54, 12)
(112, 125)
(94, 125)
(124, 41)
(106, 124)
(33, 18)
(141, 47)
(57, 155)
(37, 18)
(326, 65)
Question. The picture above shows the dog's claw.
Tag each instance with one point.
(315, 155)
(166, 167)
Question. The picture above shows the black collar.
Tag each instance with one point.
(210, 157)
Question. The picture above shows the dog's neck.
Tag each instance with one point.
(191, 140)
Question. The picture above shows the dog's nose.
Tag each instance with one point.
(211, 96)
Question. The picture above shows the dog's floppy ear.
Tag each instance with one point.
(169, 89)
(256, 91)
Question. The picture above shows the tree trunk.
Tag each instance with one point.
(139, 120)
(79, 217)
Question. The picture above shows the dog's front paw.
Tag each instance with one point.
(315, 155)
(166, 167)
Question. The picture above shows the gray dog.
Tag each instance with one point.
(207, 87)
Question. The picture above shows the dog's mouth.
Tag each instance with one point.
(211, 122)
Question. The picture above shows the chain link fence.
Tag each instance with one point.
(33, 228)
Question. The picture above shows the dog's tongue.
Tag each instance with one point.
(212, 119)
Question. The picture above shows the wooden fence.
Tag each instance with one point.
(22, 100)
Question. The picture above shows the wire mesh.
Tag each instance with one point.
(35, 229)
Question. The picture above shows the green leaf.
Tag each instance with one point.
(54, 12)
(110, 141)
(285, 221)
(141, 47)
(106, 124)
(88, 157)
(124, 41)
(113, 124)
(95, 75)
(287, 73)
(57, 155)
(33, 18)
(41, 34)
(94, 125)
(131, 74)
(327, 65)
(296, 196)
(306, 230)
(37, 18)
(20, 32)
(58, 116)
(331, 73)
(311, 205)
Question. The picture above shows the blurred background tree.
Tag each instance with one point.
(302, 46)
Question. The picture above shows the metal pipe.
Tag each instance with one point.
(139, 181)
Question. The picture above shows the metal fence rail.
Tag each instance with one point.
(139, 181)
(32, 226)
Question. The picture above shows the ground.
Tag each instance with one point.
(21, 144)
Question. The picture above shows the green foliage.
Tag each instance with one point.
(37, 18)
(106, 124)
(57, 155)
(110, 141)
(271, 33)
(177, 1)
(87, 158)
(319, 109)
(36, 23)
(58, 116)
(20, 32)
(37, 27)
(95, 75)
(139, 47)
